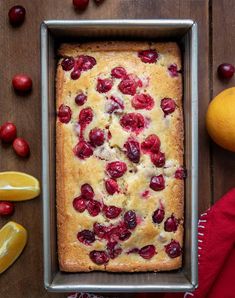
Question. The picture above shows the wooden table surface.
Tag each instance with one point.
(20, 53)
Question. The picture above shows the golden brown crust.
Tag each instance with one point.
(72, 172)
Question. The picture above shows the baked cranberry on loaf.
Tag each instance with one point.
(119, 157)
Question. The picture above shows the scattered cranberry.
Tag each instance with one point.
(180, 173)
(142, 101)
(151, 144)
(99, 257)
(68, 63)
(80, 4)
(6, 208)
(158, 159)
(85, 116)
(111, 186)
(111, 211)
(124, 234)
(16, 15)
(21, 147)
(145, 194)
(132, 148)
(64, 113)
(168, 106)
(157, 183)
(133, 251)
(85, 62)
(104, 85)
(112, 250)
(87, 191)
(8, 132)
(99, 230)
(75, 74)
(79, 204)
(118, 72)
(96, 137)
(83, 150)
(147, 252)
(80, 99)
(128, 86)
(158, 215)
(94, 207)
(133, 121)
(114, 104)
(171, 224)
(130, 219)
(22, 83)
(173, 70)
(148, 56)
(116, 169)
(226, 70)
(173, 249)
(87, 237)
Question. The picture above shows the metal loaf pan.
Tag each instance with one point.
(52, 33)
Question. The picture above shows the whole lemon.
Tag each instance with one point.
(220, 119)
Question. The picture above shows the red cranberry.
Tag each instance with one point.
(85, 62)
(173, 70)
(99, 257)
(94, 207)
(157, 183)
(133, 121)
(80, 4)
(87, 191)
(148, 56)
(111, 186)
(8, 132)
(142, 101)
(87, 237)
(116, 169)
(226, 70)
(133, 251)
(180, 173)
(118, 72)
(136, 79)
(99, 230)
(171, 224)
(68, 63)
(16, 15)
(111, 211)
(147, 252)
(75, 74)
(83, 150)
(64, 113)
(96, 137)
(151, 144)
(168, 106)
(132, 148)
(173, 249)
(104, 85)
(112, 251)
(128, 86)
(145, 194)
(6, 208)
(21, 147)
(114, 104)
(85, 116)
(158, 215)
(80, 99)
(22, 83)
(158, 159)
(79, 204)
(130, 219)
(124, 234)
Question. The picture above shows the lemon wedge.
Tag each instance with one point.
(17, 186)
(13, 238)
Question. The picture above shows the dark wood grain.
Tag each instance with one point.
(20, 53)
(223, 40)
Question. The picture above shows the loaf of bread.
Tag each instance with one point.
(119, 156)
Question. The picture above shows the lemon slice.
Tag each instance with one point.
(17, 186)
(13, 238)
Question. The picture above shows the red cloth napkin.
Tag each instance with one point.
(216, 253)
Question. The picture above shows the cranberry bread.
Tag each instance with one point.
(119, 157)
